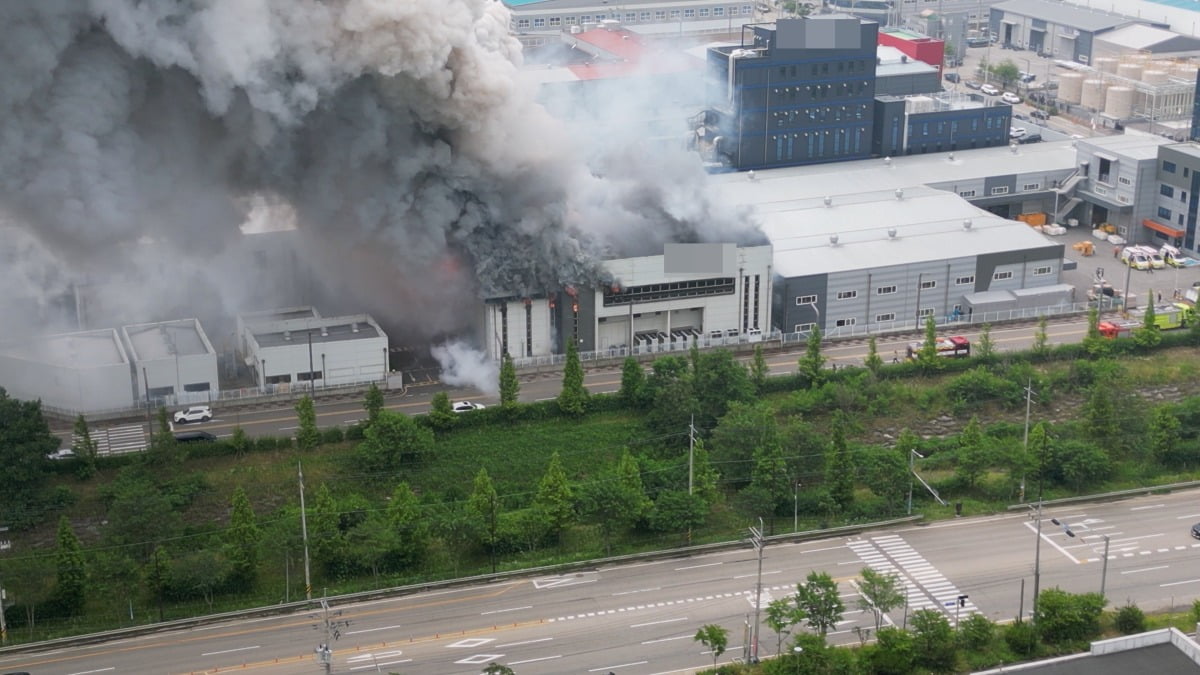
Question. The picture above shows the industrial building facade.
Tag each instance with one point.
(1056, 28)
(297, 348)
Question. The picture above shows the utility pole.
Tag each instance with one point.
(1028, 402)
(1104, 571)
(304, 534)
(3, 625)
(332, 630)
(691, 452)
(312, 382)
(756, 538)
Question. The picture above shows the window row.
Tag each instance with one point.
(830, 113)
(1169, 191)
(816, 92)
(668, 291)
(826, 143)
(817, 69)
(634, 17)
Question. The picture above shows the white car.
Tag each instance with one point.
(63, 453)
(467, 406)
(196, 413)
(990, 89)
(1017, 132)
(1010, 98)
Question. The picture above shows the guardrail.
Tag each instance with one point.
(1132, 492)
(397, 591)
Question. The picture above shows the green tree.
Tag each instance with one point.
(986, 349)
(715, 638)
(441, 413)
(977, 632)
(974, 454)
(894, 653)
(1095, 344)
(704, 476)
(1163, 437)
(616, 501)
(759, 370)
(817, 599)
(239, 442)
(873, 361)
(739, 434)
(676, 511)
(510, 387)
(242, 541)
(391, 439)
(933, 641)
(780, 617)
(70, 589)
(572, 400)
(84, 447)
(484, 506)
(812, 364)
(162, 442)
(1006, 71)
(373, 403)
(494, 668)
(157, 577)
(633, 383)
(839, 467)
(1064, 617)
(307, 435)
(1130, 619)
(410, 527)
(927, 356)
(1100, 414)
(1148, 335)
(555, 502)
(885, 472)
(325, 532)
(1041, 346)
(879, 594)
(25, 440)
(718, 381)
(771, 480)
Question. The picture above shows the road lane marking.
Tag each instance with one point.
(1146, 569)
(480, 658)
(1144, 508)
(376, 665)
(546, 399)
(370, 630)
(1048, 540)
(540, 658)
(100, 670)
(695, 567)
(380, 655)
(677, 637)
(655, 623)
(1179, 583)
(745, 576)
(640, 590)
(524, 642)
(230, 651)
(623, 665)
(510, 609)
(1188, 517)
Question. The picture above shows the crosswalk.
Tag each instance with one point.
(925, 587)
(119, 440)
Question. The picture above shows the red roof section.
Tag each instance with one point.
(635, 58)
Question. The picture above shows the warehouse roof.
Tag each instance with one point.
(1163, 652)
(1132, 144)
(85, 349)
(1063, 14)
(328, 329)
(283, 314)
(874, 228)
(1150, 39)
(167, 339)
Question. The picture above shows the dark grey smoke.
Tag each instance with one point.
(135, 133)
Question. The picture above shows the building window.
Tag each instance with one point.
(1124, 200)
(1123, 180)
(885, 290)
(1042, 271)
(689, 13)
(1099, 190)
(704, 11)
(1183, 196)
(881, 318)
(925, 312)
(1169, 167)
(1030, 187)
(630, 17)
(847, 295)
(674, 14)
(1164, 213)
(644, 16)
(555, 21)
(660, 14)
(586, 18)
(967, 194)
(963, 281)
(842, 323)
(806, 300)
(1002, 190)
(522, 23)
(539, 23)
(926, 285)
(747, 10)
(1002, 276)
(805, 327)
(1166, 190)
(718, 11)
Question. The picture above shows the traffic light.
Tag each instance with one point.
(962, 600)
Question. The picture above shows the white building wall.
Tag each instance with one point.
(91, 389)
(347, 361)
(534, 339)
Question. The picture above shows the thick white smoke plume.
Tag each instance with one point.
(464, 366)
(136, 136)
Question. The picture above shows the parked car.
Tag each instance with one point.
(1010, 98)
(62, 453)
(978, 41)
(1196, 531)
(467, 406)
(972, 84)
(1030, 138)
(1017, 132)
(194, 437)
(952, 77)
(196, 413)
(1040, 115)
(990, 89)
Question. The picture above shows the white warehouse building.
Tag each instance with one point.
(71, 373)
(647, 307)
(172, 360)
(299, 348)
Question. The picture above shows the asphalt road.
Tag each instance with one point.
(640, 617)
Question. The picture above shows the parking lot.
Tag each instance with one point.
(1104, 265)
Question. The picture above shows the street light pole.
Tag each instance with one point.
(796, 508)
(756, 537)
(912, 471)
(1104, 570)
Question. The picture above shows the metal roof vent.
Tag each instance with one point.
(891, 233)
(324, 331)
(353, 326)
(1013, 146)
(899, 193)
(750, 174)
(828, 201)
(951, 157)
(887, 161)
(833, 240)
(967, 224)
(287, 335)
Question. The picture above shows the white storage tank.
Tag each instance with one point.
(1105, 64)
(1118, 102)
(1070, 86)
(1185, 71)
(1132, 71)
(1155, 76)
(1093, 94)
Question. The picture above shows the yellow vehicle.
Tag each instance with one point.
(1132, 256)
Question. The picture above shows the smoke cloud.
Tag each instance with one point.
(463, 366)
(137, 136)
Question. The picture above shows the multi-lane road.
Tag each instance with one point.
(640, 617)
